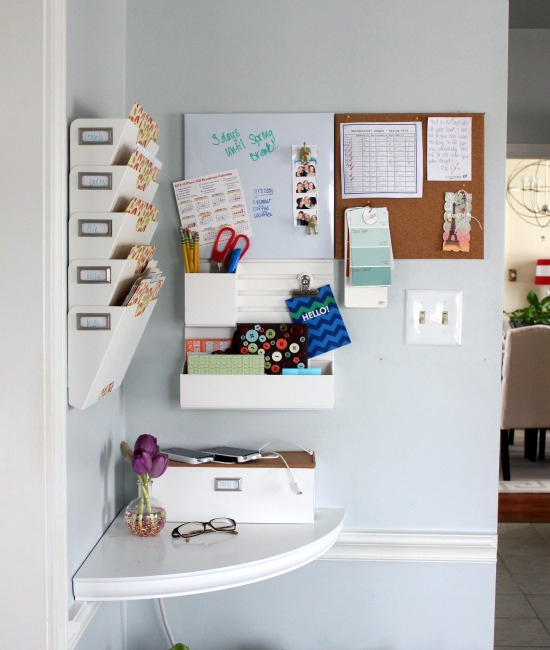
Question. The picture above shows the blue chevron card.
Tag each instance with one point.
(326, 329)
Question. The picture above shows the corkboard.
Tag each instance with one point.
(416, 225)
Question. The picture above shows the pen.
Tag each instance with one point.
(234, 259)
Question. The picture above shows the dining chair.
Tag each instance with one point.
(525, 401)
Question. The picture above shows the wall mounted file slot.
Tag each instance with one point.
(105, 189)
(259, 292)
(104, 142)
(108, 235)
(99, 356)
(100, 281)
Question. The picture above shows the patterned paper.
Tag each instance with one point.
(326, 327)
(147, 170)
(146, 212)
(148, 128)
(280, 345)
(143, 255)
(146, 291)
(224, 364)
(207, 345)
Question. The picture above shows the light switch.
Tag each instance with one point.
(433, 318)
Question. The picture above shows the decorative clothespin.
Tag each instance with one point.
(304, 289)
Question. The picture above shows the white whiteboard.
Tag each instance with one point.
(215, 143)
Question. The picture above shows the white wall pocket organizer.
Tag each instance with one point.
(101, 343)
(104, 142)
(368, 258)
(106, 235)
(255, 293)
(105, 188)
(101, 281)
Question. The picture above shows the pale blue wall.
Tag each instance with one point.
(96, 46)
(421, 421)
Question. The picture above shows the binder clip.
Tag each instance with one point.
(304, 289)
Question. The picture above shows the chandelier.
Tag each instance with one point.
(527, 192)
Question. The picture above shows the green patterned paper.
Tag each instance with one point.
(225, 364)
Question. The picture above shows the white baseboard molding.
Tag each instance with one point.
(413, 547)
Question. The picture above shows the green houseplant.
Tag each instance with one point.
(537, 312)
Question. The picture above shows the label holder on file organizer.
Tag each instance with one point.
(101, 282)
(105, 188)
(100, 141)
(109, 235)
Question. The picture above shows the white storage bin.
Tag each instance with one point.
(259, 491)
(210, 300)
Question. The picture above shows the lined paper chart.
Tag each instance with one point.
(381, 159)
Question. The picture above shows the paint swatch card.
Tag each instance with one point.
(326, 328)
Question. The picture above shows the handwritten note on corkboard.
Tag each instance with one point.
(416, 224)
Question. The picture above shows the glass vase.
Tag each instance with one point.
(144, 516)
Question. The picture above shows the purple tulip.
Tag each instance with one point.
(146, 443)
(141, 462)
(158, 465)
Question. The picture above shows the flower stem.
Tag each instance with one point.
(144, 495)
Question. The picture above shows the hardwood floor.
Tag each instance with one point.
(524, 508)
(529, 501)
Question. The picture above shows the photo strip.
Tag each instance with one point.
(304, 183)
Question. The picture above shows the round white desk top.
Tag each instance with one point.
(125, 567)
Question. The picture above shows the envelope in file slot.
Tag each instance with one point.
(283, 345)
(145, 213)
(148, 128)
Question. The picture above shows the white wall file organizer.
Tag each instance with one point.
(360, 296)
(101, 343)
(104, 142)
(261, 288)
(106, 235)
(105, 188)
(100, 281)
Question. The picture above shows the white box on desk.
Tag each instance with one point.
(266, 494)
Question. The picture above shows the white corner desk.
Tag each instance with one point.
(125, 567)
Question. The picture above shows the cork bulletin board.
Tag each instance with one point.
(416, 224)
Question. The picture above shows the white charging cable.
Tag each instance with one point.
(275, 454)
(165, 621)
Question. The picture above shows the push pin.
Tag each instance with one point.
(305, 154)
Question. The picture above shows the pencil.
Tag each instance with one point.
(197, 259)
(183, 237)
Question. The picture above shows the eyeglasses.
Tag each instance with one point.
(193, 528)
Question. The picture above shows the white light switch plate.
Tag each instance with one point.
(433, 318)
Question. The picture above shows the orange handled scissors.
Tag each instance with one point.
(223, 250)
